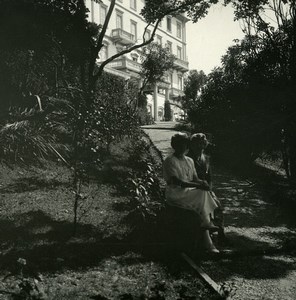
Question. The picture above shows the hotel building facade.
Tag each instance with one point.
(126, 28)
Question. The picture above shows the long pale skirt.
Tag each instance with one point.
(197, 200)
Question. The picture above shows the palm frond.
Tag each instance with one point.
(23, 141)
(58, 103)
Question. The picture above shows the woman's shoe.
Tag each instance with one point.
(212, 250)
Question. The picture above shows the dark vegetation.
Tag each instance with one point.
(248, 104)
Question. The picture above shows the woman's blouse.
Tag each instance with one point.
(202, 166)
(181, 168)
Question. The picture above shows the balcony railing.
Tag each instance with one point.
(125, 63)
(181, 65)
(174, 93)
(122, 36)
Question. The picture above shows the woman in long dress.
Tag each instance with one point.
(198, 143)
(197, 146)
(185, 190)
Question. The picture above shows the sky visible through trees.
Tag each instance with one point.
(209, 38)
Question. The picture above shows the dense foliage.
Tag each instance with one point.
(248, 104)
(193, 84)
(143, 185)
(155, 62)
(111, 117)
(195, 9)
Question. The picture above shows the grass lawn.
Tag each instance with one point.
(106, 259)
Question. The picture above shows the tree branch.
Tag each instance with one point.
(105, 26)
(145, 30)
(107, 61)
(145, 81)
(99, 44)
(173, 10)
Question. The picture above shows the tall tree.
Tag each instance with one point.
(155, 62)
(193, 84)
(273, 24)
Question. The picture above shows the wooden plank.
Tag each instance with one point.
(205, 277)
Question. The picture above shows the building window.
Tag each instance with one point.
(133, 4)
(103, 14)
(179, 52)
(147, 35)
(166, 78)
(159, 40)
(180, 83)
(169, 46)
(134, 29)
(92, 9)
(119, 20)
(169, 24)
(161, 91)
(179, 30)
(135, 57)
(119, 49)
(171, 79)
(160, 112)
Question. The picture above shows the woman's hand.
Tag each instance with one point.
(205, 185)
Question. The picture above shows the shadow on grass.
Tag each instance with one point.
(32, 183)
(50, 246)
(249, 204)
(256, 267)
(256, 261)
(121, 206)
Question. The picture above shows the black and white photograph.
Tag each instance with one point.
(147, 149)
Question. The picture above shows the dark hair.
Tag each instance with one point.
(179, 139)
(198, 137)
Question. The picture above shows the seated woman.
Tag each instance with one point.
(185, 190)
(198, 143)
(197, 146)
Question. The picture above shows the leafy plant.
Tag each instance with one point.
(111, 117)
(143, 183)
(28, 286)
(145, 192)
(228, 290)
(155, 61)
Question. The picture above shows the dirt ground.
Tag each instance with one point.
(261, 226)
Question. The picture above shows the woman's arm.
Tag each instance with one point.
(199, 184)
(208, 171)
(202, 183)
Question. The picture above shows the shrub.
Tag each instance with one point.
(167, 111)
(112, 115)
(143, 184)
(145, 118)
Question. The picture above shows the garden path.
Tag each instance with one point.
(256, 226)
